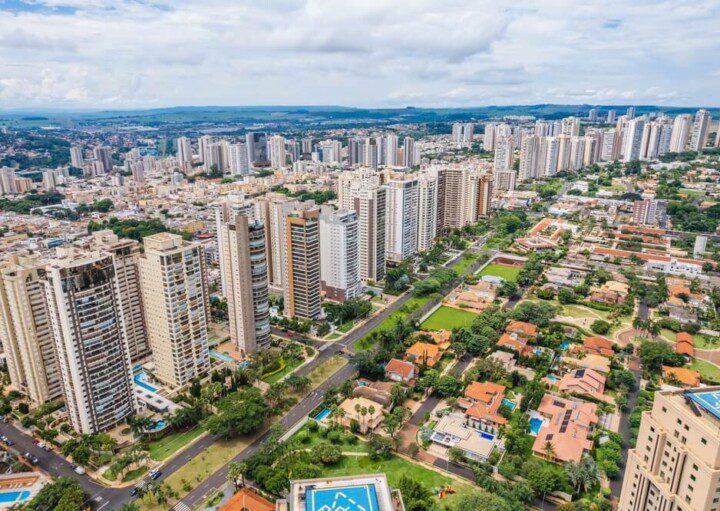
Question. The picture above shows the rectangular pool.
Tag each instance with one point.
(535, 425)
(351, 498)
(509, 404)
(220, 356)
(14, 496)
(322, 415)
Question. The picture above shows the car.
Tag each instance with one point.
(155, 473)
(9, 442)
(47, 448)
(41, 445)
(27, 456)
(34, 460)
(4, 438)
(134, 492)
(79, 470)
(36, 440)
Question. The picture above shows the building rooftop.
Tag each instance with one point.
(351, 493)
(708, 400)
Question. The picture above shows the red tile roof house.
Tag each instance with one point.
(685, 345)
(522, 329)
(401, 371)
(513, 341)
(481, 403)
(570, 422)
(598, 346)
(583, 382)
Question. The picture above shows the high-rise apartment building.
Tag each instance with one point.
(570, 126)
(402, 219)
(86, 316)
(76, 157)
(370, 206)
(632, 141)
(611, 115)
(175, 296)
(485, 193)
(25, 330)
(700, 130)
(339, 254)
(504, 180)
(504, 152)
(238, 159)
(675, 464)
(241, 246)
(489, 137)
(184, 150)
(302, 264)
(682, 126)
(126, 256)
(257, 148)
(278, 154)
(531, 164)
(427, 211)
(356, 151)
(103, 157)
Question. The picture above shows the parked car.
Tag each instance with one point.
(79, 470)
(155, 473)
(9, 442)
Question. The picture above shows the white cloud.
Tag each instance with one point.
(105, 53)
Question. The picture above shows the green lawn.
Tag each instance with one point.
(134, 474)
(325, 370)
(290, 366)
(465, 262)
(448, 318)
(333, 337)
(345, 327)
(500, 270)
(395, 468)
(317, 438)
(708, 371)
(411, 305)
(580, 311)
(169, 444)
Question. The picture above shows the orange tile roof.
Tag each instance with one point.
(428, 353)
(401, 367)
(584, 381)
(685, 376)
(484, 391)
(516, 343)
(484, 401)
(247, 500)
(598, 346)
(522, 328)
(569, 424)
(685, 337)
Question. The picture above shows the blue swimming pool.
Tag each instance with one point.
(140, 379)
(322, 415)
(14, 496)
(509, 404)
(552, 377)
(157, 426)
(535, 425)
(487, 436)
(220, 356)
(565, 345)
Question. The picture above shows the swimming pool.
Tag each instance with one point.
(14, 496)
(224, 358)
(552, 377)
(487, 436)
(140, 379)
(322, 415)
(157, 426)
(535, 425)
(565, 345)
(350, 498)
(509, 404)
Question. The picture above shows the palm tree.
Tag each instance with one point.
(549, 449)
(371, 411)
(237, 470)
(363, 413)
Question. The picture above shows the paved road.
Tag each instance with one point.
(616, 484)
(431, 402)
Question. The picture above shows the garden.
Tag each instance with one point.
(448, 318)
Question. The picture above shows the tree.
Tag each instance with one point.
(566, 296)
(65, 494)
(416, 497)
(326, 454)
(654, 355)
(447, 385)
(237, 470)
(139, 424)
(549, 449)
(539, 313)
(583, 475)
(393, 422)
(480, 501)
(379, 447)
(600, 327)
(239, 414)
(298, 382)
(543, 479)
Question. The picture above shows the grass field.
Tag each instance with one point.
(707, 370)
(500, 270)
(465, 262)
(579, 311)
(324, 370)
(290, 365)
(197, 470)
(171, 443)
(411, 305)
(316, 438)
(448, 318)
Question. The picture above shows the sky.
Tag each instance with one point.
(115, 54)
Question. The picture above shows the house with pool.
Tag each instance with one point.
(453, 430)
(481, 402)
(19, 488)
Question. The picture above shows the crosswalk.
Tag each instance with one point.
(181, 506)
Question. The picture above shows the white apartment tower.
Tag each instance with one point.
(339, 254)
(370, 206)
(632, 141)
(278, 155)
(25, 330)
(175, 295)
(241, 244)
(427, 211)
(682, 126)
(402, 219)
(700, 130)
(504, 152)
(86, 317)
(76, 157)
(184, 150)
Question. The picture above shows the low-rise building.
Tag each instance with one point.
(564, 437)
(401, 371)
(423, 353)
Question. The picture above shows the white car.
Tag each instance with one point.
(79, 470)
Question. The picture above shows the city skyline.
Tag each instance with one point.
(77, 54)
